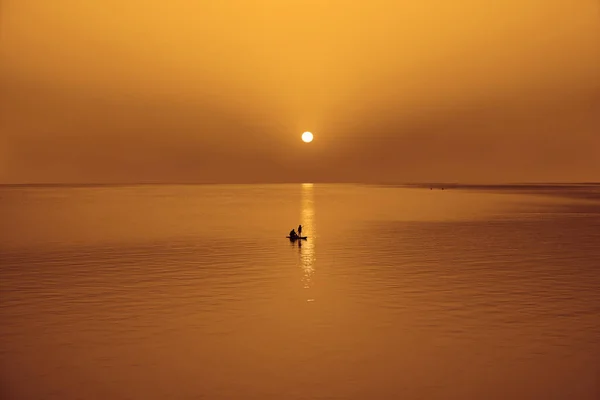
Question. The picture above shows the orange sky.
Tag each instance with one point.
(220, 91)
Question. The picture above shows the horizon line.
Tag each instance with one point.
(416, 183)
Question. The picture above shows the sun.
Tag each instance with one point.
(307, 137)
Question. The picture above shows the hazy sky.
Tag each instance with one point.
(220, 91)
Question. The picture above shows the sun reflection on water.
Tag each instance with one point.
(307, 248)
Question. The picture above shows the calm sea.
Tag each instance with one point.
(193, 292)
